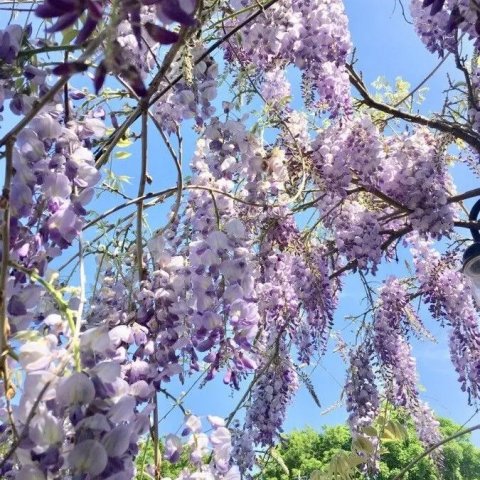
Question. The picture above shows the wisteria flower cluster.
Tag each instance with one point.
(395, 356)
(273, 206)
(438, 21)
(313, 36)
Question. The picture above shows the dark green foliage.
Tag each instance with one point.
(304, 451)
(145, 463)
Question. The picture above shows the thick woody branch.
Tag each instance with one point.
(458, 131)
(5, 231)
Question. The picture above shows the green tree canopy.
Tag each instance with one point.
(304, 451)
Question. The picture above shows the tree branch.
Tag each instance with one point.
(457, 131)
(434, 447)
(150, 98)
(141, 191)
(93, 45)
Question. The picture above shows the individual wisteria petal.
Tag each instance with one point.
(437, 5)
(121, 333)
(69, 68)
(95, 126)
(456, 18)
(47, 10)
(63, 22)
(88, 457)
(117, 441)
(220, 437)
(10, 42)
(123, 409)
(99, 76)
(88, 28)
(173, 448)
(216, 421)
(172, 9)
(57, 185)
(192, 425)
(46, 429)
(76, 389)
(160, 34)
(46, 126)
(35, 355)
(233, 474)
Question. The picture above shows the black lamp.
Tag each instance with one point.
(471, 257)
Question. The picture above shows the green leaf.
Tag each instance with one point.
(370, 431)
(355, 460)
(278, 458)
(122, 155)
(316, 475)
(394, 431)
(69, 35)
(340, 465)
(124, 142)
(124, 178)
(363, 445)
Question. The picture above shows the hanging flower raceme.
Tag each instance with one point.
(87, 422)
(390, 344)
(346, 151)
(414, 174)
(218, 444)
(316, 291)
(271, 396)
(362, 397)
(52, 184)
(433, 27)
(391, 320)
(448, 295)
(428, 430)
(440, 22)
(357, 235)
(138, 18)
(191, 97)
(201, 299)
(313, 35)
(295, 292)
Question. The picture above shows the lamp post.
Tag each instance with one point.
(471, 257)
